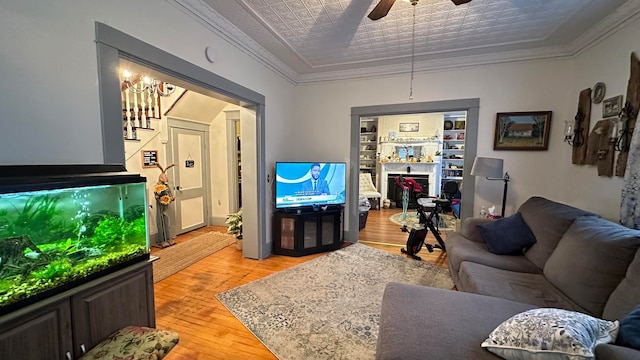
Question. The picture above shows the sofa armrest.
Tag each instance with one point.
(470, 230)
(615, 352)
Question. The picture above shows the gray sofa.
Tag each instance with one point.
(579, 262)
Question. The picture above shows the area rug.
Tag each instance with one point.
(184, 254)
(328, 307)
(447, 222)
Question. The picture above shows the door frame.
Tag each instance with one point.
(112, 45)
(472, 106)
(206, 168)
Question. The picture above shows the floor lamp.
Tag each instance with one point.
(491, 169)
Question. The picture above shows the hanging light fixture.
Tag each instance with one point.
(413, 46)
(148, 84)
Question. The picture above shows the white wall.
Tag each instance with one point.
(525, 86)
(51, 113)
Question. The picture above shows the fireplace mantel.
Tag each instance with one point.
(410, 168)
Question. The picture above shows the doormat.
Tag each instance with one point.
(185, 254)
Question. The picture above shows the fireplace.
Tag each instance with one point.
(394, 192)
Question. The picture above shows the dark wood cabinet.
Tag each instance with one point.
(307, 232)
(41, 334)
(69, 324)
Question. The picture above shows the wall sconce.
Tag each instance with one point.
(148, 84)
(573, 131)
(622, 133)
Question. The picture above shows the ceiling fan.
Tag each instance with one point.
(382, 9)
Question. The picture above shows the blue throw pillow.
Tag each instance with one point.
(507, 236)
(629, 334)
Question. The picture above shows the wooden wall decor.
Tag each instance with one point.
(582, 123)
(630, 113)
(600, 151)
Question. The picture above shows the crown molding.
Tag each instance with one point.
(211, 19)
(215, 22)
(619, 18)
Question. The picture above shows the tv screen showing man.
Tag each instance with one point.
(310, 183)
(315, 185)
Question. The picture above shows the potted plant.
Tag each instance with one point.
(234, 222)
(437, 156)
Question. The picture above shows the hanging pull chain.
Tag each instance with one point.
(413, 47)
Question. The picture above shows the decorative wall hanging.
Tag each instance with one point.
(630, 204)
(149, 158)
(628, 116)
(522, 130)
(612, 106)
(577, 131)
(600, 151)
(599, 90)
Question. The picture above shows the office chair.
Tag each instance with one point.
(452, 193)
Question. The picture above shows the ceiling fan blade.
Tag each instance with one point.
(381, 10)
(460, 2)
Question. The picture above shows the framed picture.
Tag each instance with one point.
(409, 127)
(527, 130)
(612, 106)
(149, 158)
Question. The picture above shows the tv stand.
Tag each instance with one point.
(305, 232)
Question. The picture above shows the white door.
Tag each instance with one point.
(189, 155)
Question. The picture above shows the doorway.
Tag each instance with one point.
(113, 45)
(471, 106)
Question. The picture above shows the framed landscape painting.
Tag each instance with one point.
(528, 130)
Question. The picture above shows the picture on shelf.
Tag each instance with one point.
(459, 124)
(460, 136)
(522, 130)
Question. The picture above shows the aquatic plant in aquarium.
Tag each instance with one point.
(55, 238)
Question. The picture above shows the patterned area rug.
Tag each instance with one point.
(447, 222)
(185, 254)
(328, 307)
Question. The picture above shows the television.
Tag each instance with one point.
(307, 184)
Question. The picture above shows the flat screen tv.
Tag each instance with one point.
(301, 184)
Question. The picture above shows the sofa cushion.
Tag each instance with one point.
(615, 352)
(419, 322)
(507, 236)
(626, 295)
(527, 288)
(629, 335)
(548, 221)
(461, 249)
(134, 343)
(590, 261)
(550, 334)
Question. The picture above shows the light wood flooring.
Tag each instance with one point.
(185, 302)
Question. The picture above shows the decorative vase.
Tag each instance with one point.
(239, 242)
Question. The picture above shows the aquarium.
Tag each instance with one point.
(62, 226)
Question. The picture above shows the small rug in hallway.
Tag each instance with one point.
(328, 307)
(447, 222)
(184, 254)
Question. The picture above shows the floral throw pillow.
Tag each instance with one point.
(548, 333)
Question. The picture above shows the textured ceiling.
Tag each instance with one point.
(318, 39)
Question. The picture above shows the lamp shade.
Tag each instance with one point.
(487, 167)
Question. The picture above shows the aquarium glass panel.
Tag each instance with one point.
(53, 238)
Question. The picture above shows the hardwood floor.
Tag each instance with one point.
(186, 303)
